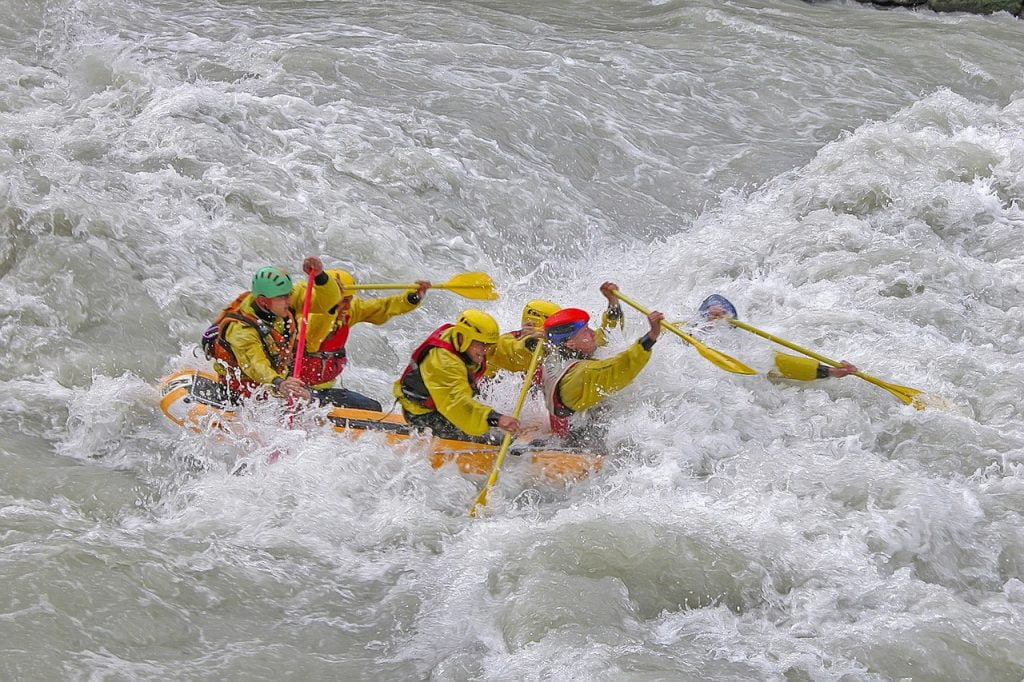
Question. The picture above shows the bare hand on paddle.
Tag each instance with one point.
(422, 286)
(532, 331)
(845, 368)
(654, 319)
(313, 266)
(509, 424)
(608, 289)
(293, 388)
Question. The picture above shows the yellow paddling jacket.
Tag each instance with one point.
(258, 361)
(449, 378)
(572, 385)
(328, 332)
(797, 367)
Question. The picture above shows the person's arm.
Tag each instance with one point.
(808, 369)
(590, 381)
(510, 354)
(445, 377)
(380, 310)
(326, 293)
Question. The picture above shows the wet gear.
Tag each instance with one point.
(799, 368)
(328, 334)
(442, 428)
(474, 325)
(564, 324)
(271, 281)
(343, 278)
(441, 379)
(718, 299)
(538, 310)
(573, 384)
(248, 346)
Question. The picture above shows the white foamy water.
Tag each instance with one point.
(850, 178)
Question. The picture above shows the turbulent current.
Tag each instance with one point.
(851, 178)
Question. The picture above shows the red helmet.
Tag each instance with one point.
(564, 324)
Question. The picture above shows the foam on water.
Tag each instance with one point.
(844, 197)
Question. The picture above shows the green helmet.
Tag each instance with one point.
(271, 281)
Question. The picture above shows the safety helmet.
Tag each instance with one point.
(344, 279)
(538, 310)
(474, 325)
(564, 324)
(271, 281)
(718, 299)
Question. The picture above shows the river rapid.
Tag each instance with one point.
(851, 178)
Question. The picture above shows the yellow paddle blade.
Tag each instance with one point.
(475, 285)
(717, 358)
(904, 393)
(481, 499)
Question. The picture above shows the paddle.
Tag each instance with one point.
(300, 348)
(910, 396)
(481, 499)
(719, 359)
(475, 285)
(300, 351)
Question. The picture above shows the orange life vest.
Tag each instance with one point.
(412, 384)
(279, 347)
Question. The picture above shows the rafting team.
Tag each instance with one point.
(252, 344)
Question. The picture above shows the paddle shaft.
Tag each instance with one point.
(717, 358)
(905, 393)
(411, 285)
(300, 346)
(792, 346)
(665, 325)
(473, 285)
(481, 499)
(300, 352)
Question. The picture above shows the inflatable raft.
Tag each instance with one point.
(196, 400)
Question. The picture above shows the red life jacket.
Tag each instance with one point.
(329, 362)
(412, 384)
(279, 347)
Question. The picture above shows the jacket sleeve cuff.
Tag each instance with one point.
(493, 417)
(647, 342)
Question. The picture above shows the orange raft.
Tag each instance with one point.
(197, 400)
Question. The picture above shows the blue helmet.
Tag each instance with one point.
(718, 299)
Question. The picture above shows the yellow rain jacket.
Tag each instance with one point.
(795, 367)
(446, 377)
(372, 310)
(245, 341)
(581, 384)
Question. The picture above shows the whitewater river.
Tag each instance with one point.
(851, 178)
